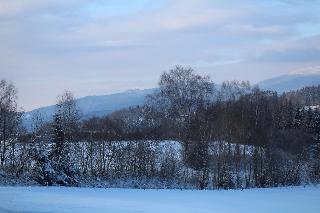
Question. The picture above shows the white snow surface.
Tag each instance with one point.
(61, 199)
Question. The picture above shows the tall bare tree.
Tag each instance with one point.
(9, 117)
(65, 127)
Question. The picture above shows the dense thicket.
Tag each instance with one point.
(188, 134)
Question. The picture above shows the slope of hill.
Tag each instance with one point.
(95, 105)
(292, 81)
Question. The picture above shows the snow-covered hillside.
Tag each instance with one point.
(60, 199)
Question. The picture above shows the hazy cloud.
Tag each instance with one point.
(98, 47)
(300, 50)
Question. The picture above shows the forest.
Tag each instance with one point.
(189, 134)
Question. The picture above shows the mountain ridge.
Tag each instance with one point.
(101, 105)
(289, 82)
(94, 105)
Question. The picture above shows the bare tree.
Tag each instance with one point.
(9, 117)
(65, 127)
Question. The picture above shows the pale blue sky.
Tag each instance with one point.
(95, 47)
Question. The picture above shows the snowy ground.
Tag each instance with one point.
(60, 199)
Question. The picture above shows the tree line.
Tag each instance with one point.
(190, 133)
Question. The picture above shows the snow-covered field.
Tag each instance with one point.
(60, 199)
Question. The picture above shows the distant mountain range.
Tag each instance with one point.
(106, 104)
(292, 81)
(95, 105)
